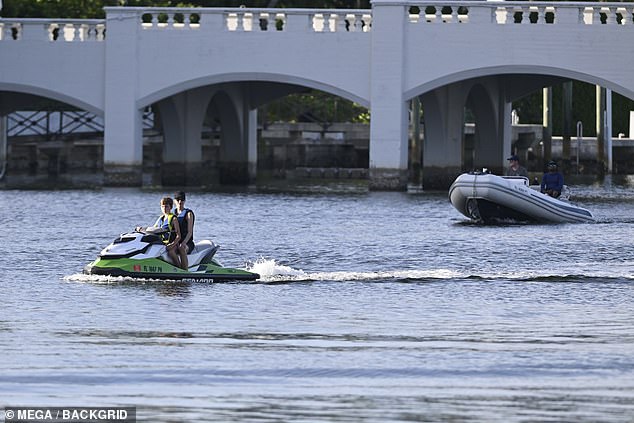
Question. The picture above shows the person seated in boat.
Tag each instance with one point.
(170, 234)
(552, 181)
(515, 169)
(186, 219)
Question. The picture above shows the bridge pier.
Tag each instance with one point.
(238, 138)
(446, 150)
(182, 117)
(389, 123)
(123, 133)
(443, 147)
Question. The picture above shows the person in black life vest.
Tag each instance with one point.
(186, 219)
(172, 235)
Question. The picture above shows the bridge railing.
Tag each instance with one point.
(48, 123)
(321, 20)
(66, 30)
(509, 12)
(250, 19)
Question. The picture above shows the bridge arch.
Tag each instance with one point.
(233, 102)
(50, 94)
(489, 93)
(528, 70)
(159, 93)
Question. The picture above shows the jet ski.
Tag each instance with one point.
(142, 254)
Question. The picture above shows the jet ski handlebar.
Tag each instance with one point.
(150, 230)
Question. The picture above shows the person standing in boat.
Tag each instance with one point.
(186, 219)
(552, 181)
(514, 168)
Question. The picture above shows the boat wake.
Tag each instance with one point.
(274, 272)
(271, 271)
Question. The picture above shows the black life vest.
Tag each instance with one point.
(182, 224)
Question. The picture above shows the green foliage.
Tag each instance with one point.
(315, 106)
(584, 103)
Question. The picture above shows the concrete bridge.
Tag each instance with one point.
(197, 64)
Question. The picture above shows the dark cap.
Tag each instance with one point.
(180, 195)
(514, 157)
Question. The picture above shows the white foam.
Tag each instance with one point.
(104, 279)
(272, 271)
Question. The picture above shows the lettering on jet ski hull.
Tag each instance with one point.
(154, 269)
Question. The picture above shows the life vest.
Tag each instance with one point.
(182, 223)
(166, 224)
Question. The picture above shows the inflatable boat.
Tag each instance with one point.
(486, 197)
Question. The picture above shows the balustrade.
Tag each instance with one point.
(52, 30)
(524, 13)
(324, 20)
(256, 20)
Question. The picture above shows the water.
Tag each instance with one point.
(372, 307)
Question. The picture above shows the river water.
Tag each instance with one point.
(371, 307)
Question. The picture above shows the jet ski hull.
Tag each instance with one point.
(152, 268)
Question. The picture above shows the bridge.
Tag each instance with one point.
(195, 64)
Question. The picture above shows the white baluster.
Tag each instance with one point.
(72, 32)
(327, 20)
(49, 31)
(255, 21)
(85, 33)
(231, 20)
(611, 15)
(194, 17)
(101, 32)
(271, 23)
(464, 17)
(626, 16)
(16, 31)
(498, 15)
(367, 23)
(314, 22)
(340, 23)
(413, 17)
(596, 16)
(358, 23)
(239, 22)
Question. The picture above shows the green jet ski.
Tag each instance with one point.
(142, 254)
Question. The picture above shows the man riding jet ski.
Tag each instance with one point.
(143, 254)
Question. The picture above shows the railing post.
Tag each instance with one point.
(3, 146)
(579, 138)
